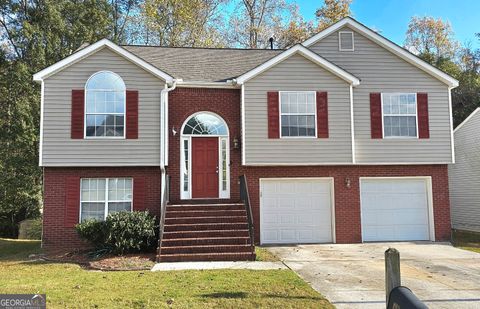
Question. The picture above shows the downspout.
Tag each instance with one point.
(164, 133)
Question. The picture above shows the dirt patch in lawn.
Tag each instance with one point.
(107, 262)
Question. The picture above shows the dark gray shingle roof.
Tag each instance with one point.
(203, 64)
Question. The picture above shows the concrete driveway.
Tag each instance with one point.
(352, 276)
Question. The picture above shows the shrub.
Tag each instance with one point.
(30, 229)
(93, 231)
(123, 232)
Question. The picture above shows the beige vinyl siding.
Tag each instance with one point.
(60, 150)
(297, 74)
(381, 71)
(464, 177)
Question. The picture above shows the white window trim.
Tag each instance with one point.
(106, 201)
(222, 194)
(85, 110)
(293, 114)
(340, 44)
(416, 116)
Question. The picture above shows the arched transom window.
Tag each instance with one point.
(105, 105)
(205, 124)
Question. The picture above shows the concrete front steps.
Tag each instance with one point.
(206, 232)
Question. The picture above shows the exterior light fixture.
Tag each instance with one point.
(236, 143)
(348, 183)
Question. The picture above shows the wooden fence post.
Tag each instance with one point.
(392, 271)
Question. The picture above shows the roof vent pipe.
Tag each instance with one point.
(271, 42)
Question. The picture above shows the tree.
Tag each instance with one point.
(34, 34)
(432, 39)
(254, 22)
(180, 23)
(295, 31)
(331, 12)
(123, 15)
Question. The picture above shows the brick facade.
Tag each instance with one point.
(183, 102)
(55, 234)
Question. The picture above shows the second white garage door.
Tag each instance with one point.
(395, 209)
(296, 210)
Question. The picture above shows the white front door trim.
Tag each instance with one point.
(187, 139)
(429, 191)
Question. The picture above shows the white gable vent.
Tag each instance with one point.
(345, 41)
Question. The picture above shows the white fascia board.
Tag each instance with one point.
(305, 52)
(467, 119)
(87, 51)
(388, 45)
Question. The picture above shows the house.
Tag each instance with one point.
(464, 175)
(344, 138)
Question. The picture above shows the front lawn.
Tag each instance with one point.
(466, 240)
(68, 285)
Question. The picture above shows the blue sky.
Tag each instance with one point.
(391, 17)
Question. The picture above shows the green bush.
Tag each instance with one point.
(93, 231)
(30, 229)
(123, 232)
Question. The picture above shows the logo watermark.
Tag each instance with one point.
(23, 301)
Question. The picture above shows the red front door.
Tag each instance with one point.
(204, 167)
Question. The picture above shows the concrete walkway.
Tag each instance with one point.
(352, 276)
(218, 265)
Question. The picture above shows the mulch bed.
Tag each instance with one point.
(108, 262)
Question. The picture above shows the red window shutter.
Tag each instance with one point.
(322, 114)
(72, 201)
(422, 113)
(78, 111)
(376, 115)
(273, 115)
(132, 114)
(139, 194)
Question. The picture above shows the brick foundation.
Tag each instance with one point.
(55, 234)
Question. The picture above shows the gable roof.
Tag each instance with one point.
(467, 119)
(203, 64)
(305, 52)
(87, 51)
(388, 45)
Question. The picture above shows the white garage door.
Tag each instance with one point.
(394, 209)
(295, 211)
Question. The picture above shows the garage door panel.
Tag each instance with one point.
(295, 211)
(394, 209)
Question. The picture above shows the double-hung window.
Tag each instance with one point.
(105, 105)
(102, 196)
(399, 115)
(298, 113)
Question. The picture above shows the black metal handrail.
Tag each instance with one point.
(163, 208)
(245, 198)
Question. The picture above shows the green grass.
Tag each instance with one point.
(466, 240)
(68, 285)
(264, 255)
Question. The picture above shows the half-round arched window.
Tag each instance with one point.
(105, 105)
(205, 124)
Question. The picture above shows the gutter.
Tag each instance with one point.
(164, 133)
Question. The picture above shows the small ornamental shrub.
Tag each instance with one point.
(122, 232)
(93, 231)
(130, 231)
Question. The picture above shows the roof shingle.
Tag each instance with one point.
(203, 64)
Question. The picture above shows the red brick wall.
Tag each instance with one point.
(347, 200)
(55, 235)
(182, 103)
